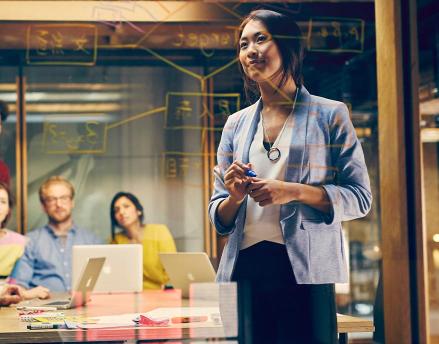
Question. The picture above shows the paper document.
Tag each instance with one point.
(179, 317)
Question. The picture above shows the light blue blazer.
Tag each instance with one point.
(324, 151)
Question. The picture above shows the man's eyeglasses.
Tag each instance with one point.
(53, 200)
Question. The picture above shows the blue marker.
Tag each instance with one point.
(250, 173)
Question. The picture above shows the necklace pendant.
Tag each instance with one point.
(273, 154)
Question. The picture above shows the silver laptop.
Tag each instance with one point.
(184, 268)
(81, 293)
(122, 271)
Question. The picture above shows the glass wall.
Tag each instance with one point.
(105, 129)
(139, 107)
(8, 94)
(428, 40)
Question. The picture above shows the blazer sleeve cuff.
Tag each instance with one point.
(222, 230)
(336, 206)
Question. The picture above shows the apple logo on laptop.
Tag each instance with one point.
(190, 277)
(89, 282)
(106, 269)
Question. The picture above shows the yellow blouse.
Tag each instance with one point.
(156, 238)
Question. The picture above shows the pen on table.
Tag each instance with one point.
(44, 326)
(36, 308)
(189, 319)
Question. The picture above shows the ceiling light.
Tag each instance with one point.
(53, 96)
(67, 118)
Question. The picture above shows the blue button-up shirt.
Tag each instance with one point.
(47, 260)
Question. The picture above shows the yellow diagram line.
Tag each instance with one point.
(290, 37)
(189, 153)
(185, 3)
(162, 6)
(233, 13)
(221, 69)
(203, 139)
(169, 62)
(135, 117)
(234, 7)
(107, 46)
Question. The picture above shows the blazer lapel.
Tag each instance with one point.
(254, 120)
(298, 155)
(297, 158)
(251, 133)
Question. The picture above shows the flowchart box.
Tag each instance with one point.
(75, 138)
(66, 44)
(336, 34)
(199, 110)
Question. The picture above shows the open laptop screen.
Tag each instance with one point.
(184, 268)
(122, 271)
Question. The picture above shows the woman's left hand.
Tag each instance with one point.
(269, 191)
(10, 294)
(37, 292)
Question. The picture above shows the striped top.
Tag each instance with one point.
(11, 249)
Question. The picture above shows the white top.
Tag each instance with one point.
(263, 223)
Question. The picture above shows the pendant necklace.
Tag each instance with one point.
(273, 153)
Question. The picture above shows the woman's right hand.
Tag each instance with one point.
(236, 181)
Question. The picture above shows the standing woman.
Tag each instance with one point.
(126, 212)
(284, 225)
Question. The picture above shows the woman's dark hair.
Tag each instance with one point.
(4, 110)
(288, 38)
(5, 187)
(136, 203)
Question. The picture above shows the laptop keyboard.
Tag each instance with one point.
(57, 303)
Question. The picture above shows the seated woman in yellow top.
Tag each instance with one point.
(126, 212)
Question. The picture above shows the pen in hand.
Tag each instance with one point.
(250, 173)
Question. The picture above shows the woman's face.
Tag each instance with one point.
(4, 205)
(258, 53)
(125, 212)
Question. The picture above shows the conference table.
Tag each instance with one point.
(12, 330)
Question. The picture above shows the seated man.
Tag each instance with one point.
(47, 258)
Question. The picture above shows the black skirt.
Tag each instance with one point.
(275, 308)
